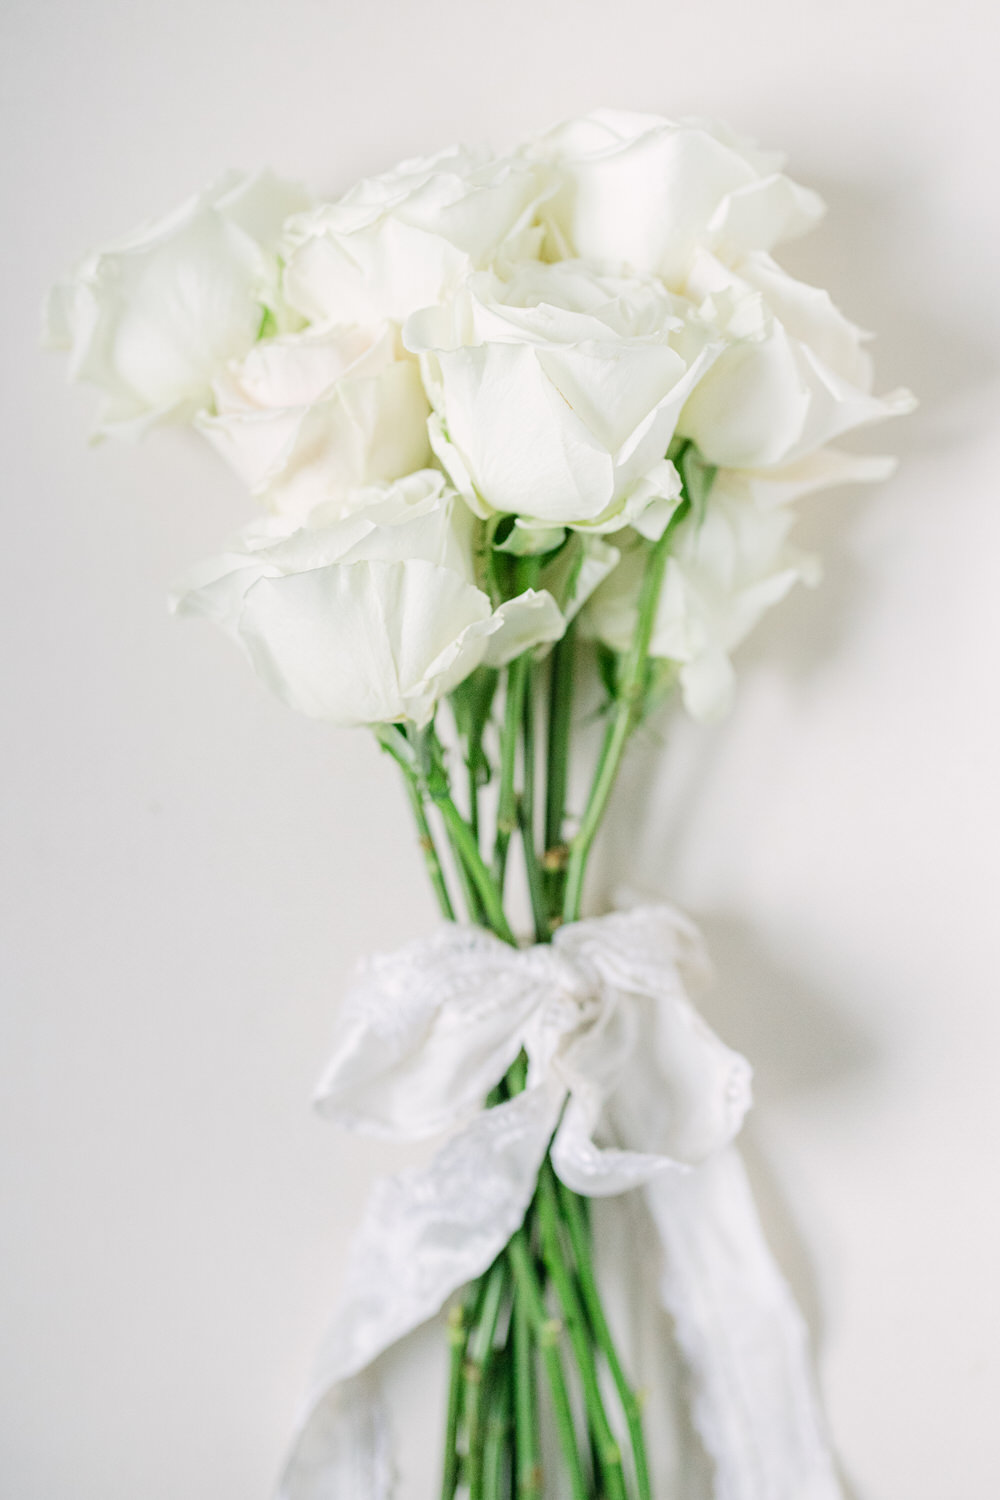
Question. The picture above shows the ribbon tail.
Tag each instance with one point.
(344, 1448)
(744, 1341)
(426, 1232)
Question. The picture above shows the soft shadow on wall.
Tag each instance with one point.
(801, 1037)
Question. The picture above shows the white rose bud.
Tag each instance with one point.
(405, 239)
(373, 617)
(307, 418)
(643, 193)
(153, 318)
(557, 391)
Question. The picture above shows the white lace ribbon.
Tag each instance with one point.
(631, 1088)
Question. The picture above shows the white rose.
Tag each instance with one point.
(557, 391)
(152, 319)
(404, 240)
(797, 378)
(724, 572)
(373, 617)
(644, 193)
(306, 418)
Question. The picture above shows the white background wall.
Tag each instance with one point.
(190, 871)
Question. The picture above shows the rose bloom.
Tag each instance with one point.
(370, 617)
(726, 568)
(557, 391)
(152, 318)
(796, 378)
(641, 193)
(701, 209)
(405, 239)
(307, 418)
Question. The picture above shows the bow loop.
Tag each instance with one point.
(602, 1012)
(427, 1032)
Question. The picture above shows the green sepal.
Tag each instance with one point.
(531, 541)
(268, 324)
(471, 704)
(697, 477)
(608, 664)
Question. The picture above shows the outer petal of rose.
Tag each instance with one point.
(152, 318)
(619, 388)
(762, 215)
(818, 471)
(370, 429)
(809, 314)
(836, 407)
(301, 431)
(376, 273)
(352, 643)
(415, 518)
(531, 619)
(709, 686)
(217, 587)
(751, 408)
(646, 206)
(524, 448)
(647, 192)
(260, 204)
(776, 398)
(402, 241)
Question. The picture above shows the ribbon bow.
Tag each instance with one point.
(630, 1088)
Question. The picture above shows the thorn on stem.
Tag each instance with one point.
(556, 858)
(550, 1333)
(530, 1483)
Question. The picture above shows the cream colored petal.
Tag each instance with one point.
(531, 619)
(709, 685)
(763, 214)
(523, 447)
(751, 408)
(352, 643)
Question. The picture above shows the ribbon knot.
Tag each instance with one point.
(626, 1087)
(602, 1014)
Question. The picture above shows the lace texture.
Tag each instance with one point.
(631, 1089)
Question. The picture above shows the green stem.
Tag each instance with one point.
(428, 757)
(473, 784)
(517, 675)
(624, 716)
(547, 1333)
(557, 766)
(475, 1369)
(607, 1446)
(392, 740)
(529, 1468)
(470, 893)
(458, 1338)
(467, 851)
(526, 817)
(471, 705)
(575, 1219)
(496, 1444)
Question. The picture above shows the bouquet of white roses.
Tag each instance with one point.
(513, 420)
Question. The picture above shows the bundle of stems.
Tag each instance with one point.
(536, 1315)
